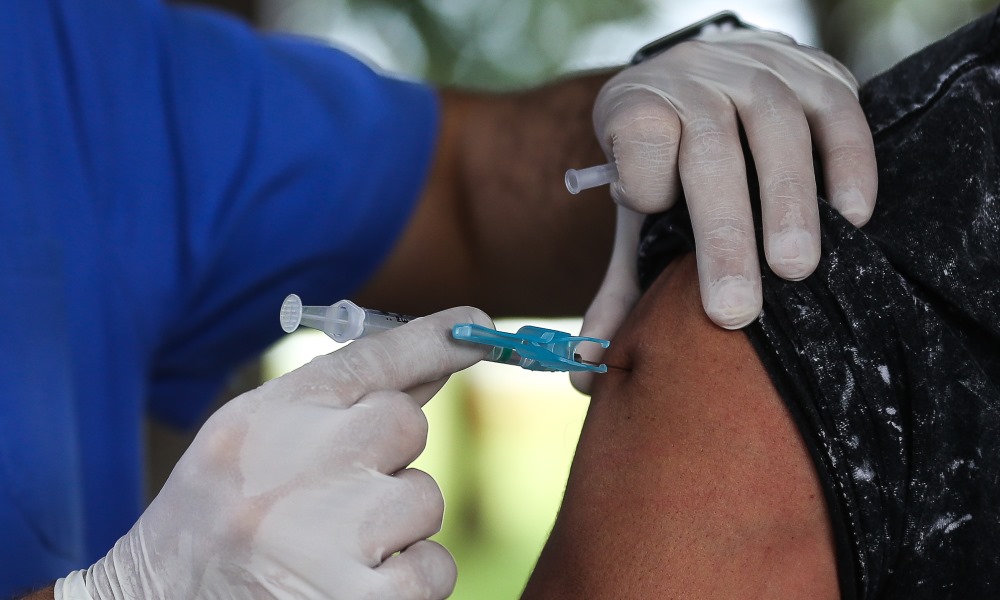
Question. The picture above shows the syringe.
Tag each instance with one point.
(532, 348)
(578, 180)
(343, 321)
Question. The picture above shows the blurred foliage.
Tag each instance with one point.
(479, 44)
(869, 36)
(495, 44)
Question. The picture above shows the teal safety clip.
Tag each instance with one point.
(532, 348)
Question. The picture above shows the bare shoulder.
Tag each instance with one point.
(690, 478)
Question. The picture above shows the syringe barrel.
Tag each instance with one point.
(347, 321)
(376, 321)
(343, 321)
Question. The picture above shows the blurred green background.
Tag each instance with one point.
(502, 439)
(497, 44)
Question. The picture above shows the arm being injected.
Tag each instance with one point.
(532, 348)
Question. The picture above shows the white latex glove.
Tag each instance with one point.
(672, 121)
(298, 488)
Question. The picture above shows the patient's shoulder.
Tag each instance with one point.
(690, 478)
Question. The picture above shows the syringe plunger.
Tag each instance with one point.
(291, 313)
(343, 321)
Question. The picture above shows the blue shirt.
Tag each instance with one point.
(166, 178)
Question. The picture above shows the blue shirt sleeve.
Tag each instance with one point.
(299, 166)
(167, 176)
(217, 169)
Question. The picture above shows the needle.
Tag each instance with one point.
(580, 359)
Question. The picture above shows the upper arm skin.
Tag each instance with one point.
(690, 479)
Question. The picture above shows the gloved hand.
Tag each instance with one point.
(673, 120)
(298, 488)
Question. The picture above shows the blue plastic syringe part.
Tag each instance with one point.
(532, 348)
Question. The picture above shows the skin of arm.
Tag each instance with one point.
(46, 594)
(495, 226)
(690, 478)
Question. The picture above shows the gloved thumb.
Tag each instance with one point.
(617, 295)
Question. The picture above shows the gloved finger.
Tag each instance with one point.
(384, 431)
(424, 571)
(779, 140)
(411, 510)
(617, 295)
(388, 430)
(714, 174)
(828, 92)
(829, 65)
(421, 394)
(640, 131)
(421, 351)
(846, 150)
(795, 62)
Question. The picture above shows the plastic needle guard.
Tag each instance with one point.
(544, 349)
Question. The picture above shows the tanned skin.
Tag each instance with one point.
(495, 227)
(690, 479)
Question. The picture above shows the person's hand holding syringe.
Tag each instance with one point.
(303, 486)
